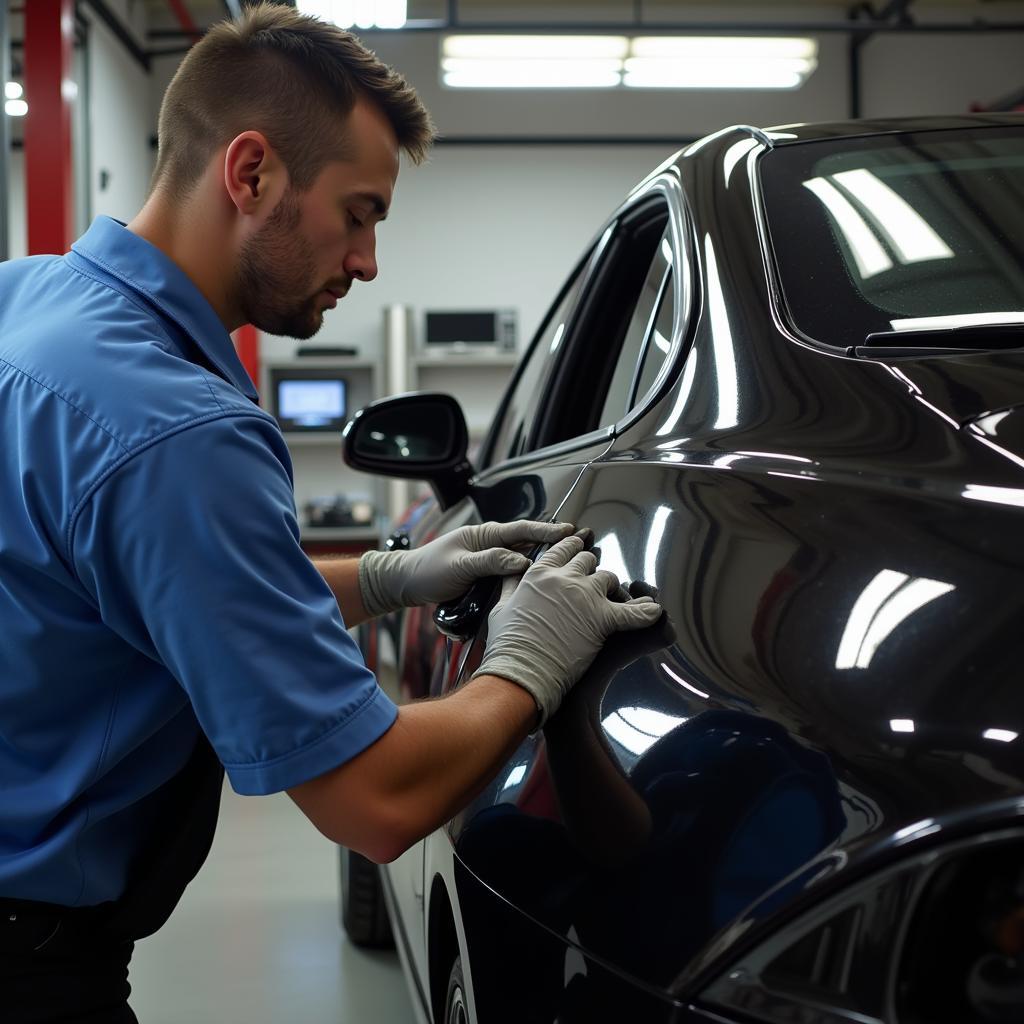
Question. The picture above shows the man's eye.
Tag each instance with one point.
(354, 220)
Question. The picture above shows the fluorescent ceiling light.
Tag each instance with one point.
(902, 725)
(536, 47)
(16, 108)
(672, 73)
(13, 91)
(391, 13)
(657, 62)
(724, 48)
(530, 74)
(365, 13)
(360, 13)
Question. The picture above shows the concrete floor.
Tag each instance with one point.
(256, 936)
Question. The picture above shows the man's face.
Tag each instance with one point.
(316, 243)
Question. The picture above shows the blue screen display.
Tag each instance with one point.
(311, 402)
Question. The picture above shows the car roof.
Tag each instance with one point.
(789, 134)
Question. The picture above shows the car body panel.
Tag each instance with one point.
(835, 541)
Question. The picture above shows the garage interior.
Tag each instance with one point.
(517, 183)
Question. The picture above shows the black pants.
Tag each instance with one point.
(69, 965)
(62, 966)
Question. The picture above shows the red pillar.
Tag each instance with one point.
(49, 46)
(247, 343)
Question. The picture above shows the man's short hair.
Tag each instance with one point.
(292, 77)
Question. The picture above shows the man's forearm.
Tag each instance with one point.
(437, 756)
(342, 576)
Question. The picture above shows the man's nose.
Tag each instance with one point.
(361, 263)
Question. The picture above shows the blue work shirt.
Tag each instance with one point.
(151, 579)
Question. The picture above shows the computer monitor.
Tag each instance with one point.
(314, 399)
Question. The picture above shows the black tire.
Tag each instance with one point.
(455, 1009)
(364, 914)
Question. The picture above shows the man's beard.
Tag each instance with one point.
(275, 270)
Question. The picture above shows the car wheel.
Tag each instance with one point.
(364, 915)
(455, 1010)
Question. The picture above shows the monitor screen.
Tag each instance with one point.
(310, 401)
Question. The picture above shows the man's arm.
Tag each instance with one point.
(439, 754)
(342, 576)
(433, 761)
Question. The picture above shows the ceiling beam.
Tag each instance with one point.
(682, 28)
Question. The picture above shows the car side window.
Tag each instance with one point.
(508, 437)
(594, 375)
(620, 390)
(659, 342)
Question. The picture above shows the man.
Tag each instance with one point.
(160, 619)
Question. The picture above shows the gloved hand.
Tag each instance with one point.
(544, 632)
(445, 568)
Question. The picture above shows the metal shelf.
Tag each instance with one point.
(460, 360)
(313, 362)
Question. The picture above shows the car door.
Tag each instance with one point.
(555, 419)
(523, 803)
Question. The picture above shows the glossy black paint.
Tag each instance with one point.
(622, 860)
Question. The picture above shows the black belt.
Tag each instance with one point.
(189, 805)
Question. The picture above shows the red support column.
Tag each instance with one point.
(247, 343)
(49, 47)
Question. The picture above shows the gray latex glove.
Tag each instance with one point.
(544, 632)
(447, 567)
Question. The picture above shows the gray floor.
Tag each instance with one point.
(256, 936)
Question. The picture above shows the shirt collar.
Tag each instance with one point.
(145, 269)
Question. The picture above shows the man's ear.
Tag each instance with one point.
(254, 176)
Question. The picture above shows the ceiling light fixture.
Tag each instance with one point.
(13, 91)
(16, 108)
(533, 62)
(645, 62)
(363, 14)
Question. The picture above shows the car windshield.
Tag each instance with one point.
(915, 231)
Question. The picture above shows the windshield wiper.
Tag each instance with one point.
(942, 341)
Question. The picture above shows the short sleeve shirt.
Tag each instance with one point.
(152, 584)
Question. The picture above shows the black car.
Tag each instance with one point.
(785, 389)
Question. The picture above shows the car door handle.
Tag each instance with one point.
(462, 618)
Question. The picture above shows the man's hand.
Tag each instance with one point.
(445, 568)
(544, 632)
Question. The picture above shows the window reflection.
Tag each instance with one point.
(725, 358)
(653, 548)
(637, 729)
(911, 237)
(1002, 735)
(868, 254)
(611, 556)
(889, 599)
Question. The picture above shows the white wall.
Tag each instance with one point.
(120, 122)
(485, 227)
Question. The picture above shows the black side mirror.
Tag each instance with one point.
(419, 436)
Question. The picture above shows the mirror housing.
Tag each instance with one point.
(418, 436)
